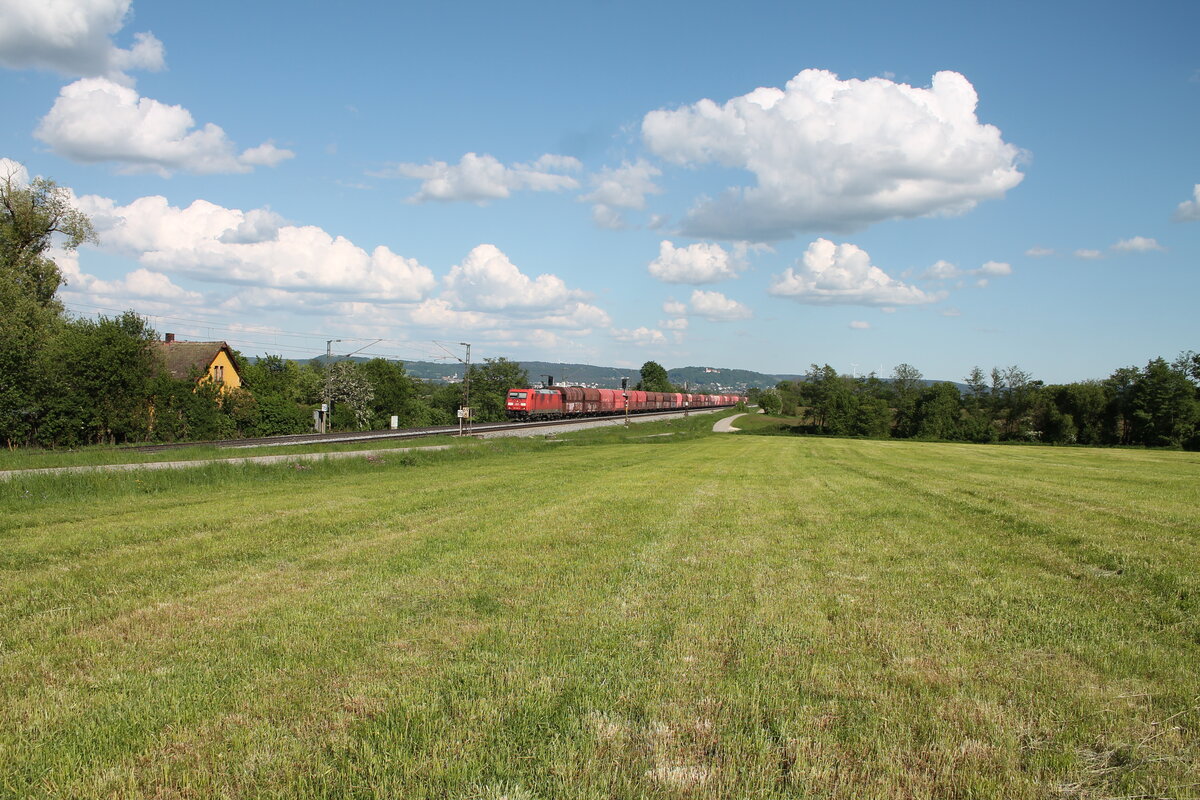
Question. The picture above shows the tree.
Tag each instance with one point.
(871, 416)
(490, 383)
(937, 411)
(395, 395)
(1014, 394)
(1119, 387)
(351, 393)
(654, 378)
(32, 215)
(906, 383)
(770, 402)
(1163, 406)
(830, 400)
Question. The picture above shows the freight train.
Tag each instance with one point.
(554, 402)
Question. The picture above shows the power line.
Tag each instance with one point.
(237, 335)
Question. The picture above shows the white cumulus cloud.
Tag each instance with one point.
(1137, 244)
(208, 242)
(73, 37)
(830, 274)
(696, 264)
(479, 178)
(623, 187)
(830, 154)
(674, 308)
(487, 280)
(716, 307)
(945, 271)
(941, 271)
(97, 119)
(1037, 251)
(1189, 210)
(1088, 254)
(640, 336)
(994, 268)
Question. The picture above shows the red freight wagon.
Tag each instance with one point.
(572, 400)
(611, 401)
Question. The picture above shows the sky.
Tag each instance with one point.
(757, 185)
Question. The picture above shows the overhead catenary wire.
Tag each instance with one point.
(308, 344)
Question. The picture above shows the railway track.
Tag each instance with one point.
(408, 433)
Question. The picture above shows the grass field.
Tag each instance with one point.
(612, 616)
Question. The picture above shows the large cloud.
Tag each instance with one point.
(96, 119)
(833, 274)
(73, 37)
(696, 264)
(837, 155)
(479, 178)
(211, 243)
(487, 281)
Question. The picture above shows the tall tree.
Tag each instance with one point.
(490, 383)
(351, 394)
(937, 412)
(906, 385)
(1163, 406)
(654, 378)
(33, 214)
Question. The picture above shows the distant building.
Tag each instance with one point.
(211, 361)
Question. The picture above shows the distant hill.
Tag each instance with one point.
(700, 379)
(711, 379)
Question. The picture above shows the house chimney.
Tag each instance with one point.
(170, 337)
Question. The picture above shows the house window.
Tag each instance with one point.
(219, 373)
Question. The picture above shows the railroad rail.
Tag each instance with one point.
(407, 433)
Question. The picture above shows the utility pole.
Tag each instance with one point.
(625, 394)
(326, 401)
(467, 380)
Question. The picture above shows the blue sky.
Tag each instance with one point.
(762, 186)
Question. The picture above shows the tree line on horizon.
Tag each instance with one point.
(1157, 405)
(66, 381)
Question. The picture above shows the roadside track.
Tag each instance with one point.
(479, 431)
(484, 429)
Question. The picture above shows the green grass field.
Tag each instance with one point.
(619, 615)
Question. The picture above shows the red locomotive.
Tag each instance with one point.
(553, 402)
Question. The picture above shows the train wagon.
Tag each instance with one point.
(554, 402)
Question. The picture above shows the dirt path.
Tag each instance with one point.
(726, 425)
(8, 474)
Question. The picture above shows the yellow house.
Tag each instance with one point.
(212, 361)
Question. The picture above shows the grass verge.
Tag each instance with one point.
(683, 615)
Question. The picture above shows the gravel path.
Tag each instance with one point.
(726, 425)
(582, 424)
(9, 473)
